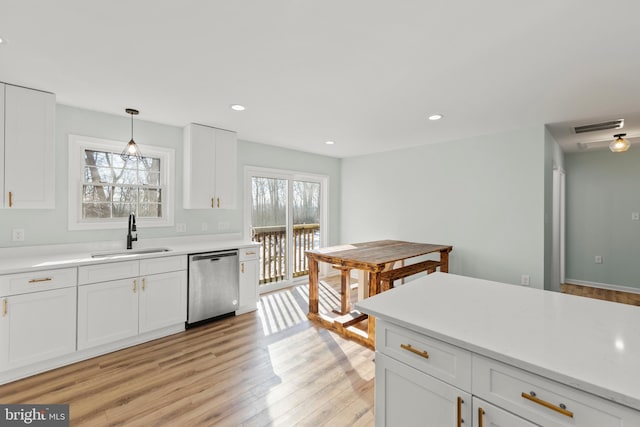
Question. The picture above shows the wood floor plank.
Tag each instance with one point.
(248, 370)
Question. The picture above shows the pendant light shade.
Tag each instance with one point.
(619, 144)
(131, 150)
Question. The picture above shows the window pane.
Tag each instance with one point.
(124, 195)
(96, 210)
(96, 193)
(152, 210)
(122, 210)
(150, 195)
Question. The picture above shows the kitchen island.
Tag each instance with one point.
(452, 349)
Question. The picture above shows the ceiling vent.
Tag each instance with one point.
(614, 124)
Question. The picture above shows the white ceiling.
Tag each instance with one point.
(364, 73)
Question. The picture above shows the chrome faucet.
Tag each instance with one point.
(132, 227)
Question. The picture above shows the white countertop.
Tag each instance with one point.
(30, 258)
(589, 344)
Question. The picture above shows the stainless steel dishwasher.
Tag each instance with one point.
(213, 286)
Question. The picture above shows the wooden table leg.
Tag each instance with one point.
(444, 261)
(313, 286)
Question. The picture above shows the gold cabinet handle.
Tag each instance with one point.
(135, 285)
(460, 420)
(43, 279)
(218, 201)
(212, 202)
(4, 307)
(561, 409)
(144, 283)
(480, 417)
(242, 267)
(250, 253)
(414, 350)
(10, 199)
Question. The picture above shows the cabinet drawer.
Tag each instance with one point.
(434, 357)
(543, 401)
(163, 265)
(107, 271)
(247, 254)
(20, 283)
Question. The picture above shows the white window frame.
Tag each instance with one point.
(77, 145)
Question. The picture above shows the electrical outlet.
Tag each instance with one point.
(204, 226)
(17, 235)
(223, 225)
(524, 280)
(181, 227)
(598, 259)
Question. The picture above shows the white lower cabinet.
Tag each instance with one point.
(407, 397)
(154, 297)
(423, 381)
(107, 312)
(248, 280)
(37, 326)
(162, 301)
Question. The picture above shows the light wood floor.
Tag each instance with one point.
(270, 367)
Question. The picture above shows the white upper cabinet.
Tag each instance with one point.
(210, 168)
(28, 166)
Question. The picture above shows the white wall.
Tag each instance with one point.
(483, 195)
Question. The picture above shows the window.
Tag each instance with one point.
(104, 189)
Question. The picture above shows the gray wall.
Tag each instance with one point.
(602, 193)
(50, 226)
(483, 195)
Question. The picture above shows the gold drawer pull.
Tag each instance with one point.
(10, 199)
(480, 417)
(135, 285)
(562, 409)
(460, 420)
(144, 283)
(4, 307)
(250, 253)
(44, 279)
(242, 267)
(414, 350)
(212, 202)
(218, 201)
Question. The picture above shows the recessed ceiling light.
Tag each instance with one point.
(238, 107)
(329, 142)
(3, 40)
(435, 117)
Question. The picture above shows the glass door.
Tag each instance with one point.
(287, 212)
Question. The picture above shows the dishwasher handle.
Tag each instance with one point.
(213, 256)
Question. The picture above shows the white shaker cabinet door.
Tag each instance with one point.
(248, 286)
(226, 169)
(407, 397)
(37, 326)
(29, 148)
(107, 312)
(163, 300)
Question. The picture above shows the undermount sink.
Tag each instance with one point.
(130, 252)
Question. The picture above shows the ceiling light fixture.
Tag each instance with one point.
(237, 107)
(3, 40)
(329, 142)
(131, 150)
(434, 117)
(619, 144)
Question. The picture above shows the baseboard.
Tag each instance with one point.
(611, 293)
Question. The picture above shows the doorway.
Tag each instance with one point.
(286, 213)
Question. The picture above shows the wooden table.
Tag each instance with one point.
(375, 258)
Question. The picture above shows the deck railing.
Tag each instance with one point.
(273, 260)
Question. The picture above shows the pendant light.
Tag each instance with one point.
(619, 144)
(131, 150)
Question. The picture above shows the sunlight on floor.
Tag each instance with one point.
(282, 310)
